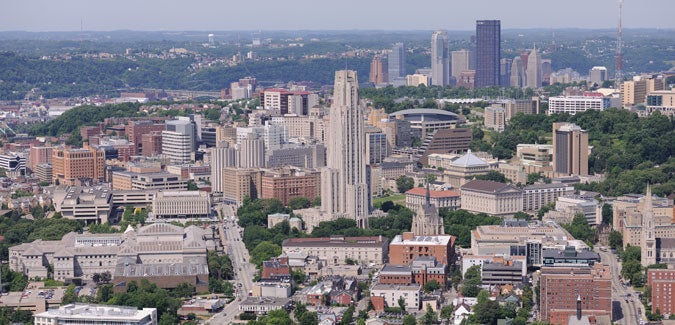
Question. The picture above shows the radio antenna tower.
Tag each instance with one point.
(619, 45)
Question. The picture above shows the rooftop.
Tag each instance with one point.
(469, 160)
(487, 186)
(84, 312)
(434, 194)
(422, 240)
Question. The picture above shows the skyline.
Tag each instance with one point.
(204, 15)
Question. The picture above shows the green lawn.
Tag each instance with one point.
(396, 198)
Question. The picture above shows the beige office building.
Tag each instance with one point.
(181, 204)
(495, 118)
(73, 164)
(241, 183)
(461, 61)
(337, 249)
(415, 80)
(493, 198)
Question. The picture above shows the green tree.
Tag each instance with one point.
(69, 296)
(404, 183)
(299, 202)
(104, 293)
(264, 251)
(521, 215)
(632, 253)
(483, 296)
(348, 316)
(447, 312)
(508, 310)
(309, 318)
(579, 229)
(473, 272)
(494, 176)
(401, 303)
(533, 178)
(430, 317)
(607, 214)
(486, 312)
(615, 239)
(183, 290)
(629, 268)
(192, 186)
(409, 320)
(431, 286)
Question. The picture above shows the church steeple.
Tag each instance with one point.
(426, 221)
(648, 244)
(428, 194)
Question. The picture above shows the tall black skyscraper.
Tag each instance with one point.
(488, 47)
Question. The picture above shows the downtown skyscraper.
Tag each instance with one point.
(440, 59)
(488, 47)
(396, 64)
(344, 185)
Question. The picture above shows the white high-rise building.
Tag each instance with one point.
(251, 151)
(178, 140)
(344, 185)
(222, 156)
(533, 70)
(440, 62)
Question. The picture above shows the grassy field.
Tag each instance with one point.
(398, 198)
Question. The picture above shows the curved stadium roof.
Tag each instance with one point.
(426, 114)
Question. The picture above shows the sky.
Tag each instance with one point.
(225, 15)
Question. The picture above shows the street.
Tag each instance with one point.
(626, 306)
(243, 270)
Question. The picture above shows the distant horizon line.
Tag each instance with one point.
(332, 30)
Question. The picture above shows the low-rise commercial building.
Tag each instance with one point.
(97, 315)
(264, 305)
(569, 257)
(337, 249)
(503, 272)
(89, 204)
(388, 295)
(183, 204)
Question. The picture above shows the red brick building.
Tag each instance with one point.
(341, 297)
(286, 183)
(405, 248)
(662, 283)
(136, 129)
(276, 268)
(395, 274)
(88, 131)
(560, 287)
(151, 144)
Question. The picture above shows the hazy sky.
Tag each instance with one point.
(216, 15)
